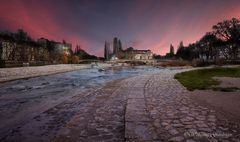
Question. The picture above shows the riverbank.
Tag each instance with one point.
(8, 74)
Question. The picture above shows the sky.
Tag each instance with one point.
(142, 24)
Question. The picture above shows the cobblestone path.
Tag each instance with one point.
(159, 109)
(149, 107)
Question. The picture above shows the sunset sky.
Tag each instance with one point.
(143, 24)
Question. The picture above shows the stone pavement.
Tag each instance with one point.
(152, 107)
(149, 107)
(159, 109)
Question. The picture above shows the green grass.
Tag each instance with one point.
(202, 79)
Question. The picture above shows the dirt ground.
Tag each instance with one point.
(223, 102)
(228, 82)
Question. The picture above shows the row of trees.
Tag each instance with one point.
(223, 42)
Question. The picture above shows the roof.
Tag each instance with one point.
(139, 51)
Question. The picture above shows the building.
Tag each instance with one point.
(133, 54)
(142, 55)
(60, 47)
(18, 53)
(7, 49)
(127, 54)
(14, 53)
(63, 48)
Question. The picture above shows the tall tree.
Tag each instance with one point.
(229, 32)
(171, 50)
(120, 45)
(208, 45)
(64, 41)
(22, 36)
(181, 44)
(180, 50)
(115, 45)
(185, 52)
(106, 51)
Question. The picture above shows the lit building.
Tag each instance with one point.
(58, 46)
(128, 54)
(142, 55)
(63, 47)
(133, 54)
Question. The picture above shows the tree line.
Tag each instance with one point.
(223, 42)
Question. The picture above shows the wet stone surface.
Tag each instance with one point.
(147, 107)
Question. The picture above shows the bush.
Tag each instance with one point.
(2, 64)
(220, 62)
(174, 63)
(63, 59)
(198, 63)
(75, 59)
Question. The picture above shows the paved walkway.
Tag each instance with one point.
(151, 107)
(159, 109)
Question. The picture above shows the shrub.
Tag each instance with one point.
(75, 59)
(173, 63)
(220, 62)
(63, 59)
(198, 63)
(2, 64)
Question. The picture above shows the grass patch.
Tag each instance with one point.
(202, 79)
